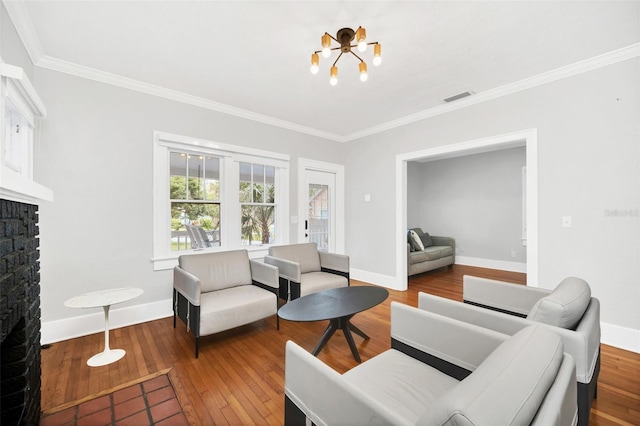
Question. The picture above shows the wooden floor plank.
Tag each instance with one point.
(239, 376)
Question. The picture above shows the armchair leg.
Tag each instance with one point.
(277, 322)
(197, 346)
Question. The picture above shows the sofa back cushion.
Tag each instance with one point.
(306, 254)
(564, 306)
(507, 388)
(220, 270)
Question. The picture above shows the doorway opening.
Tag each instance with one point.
(526, 138)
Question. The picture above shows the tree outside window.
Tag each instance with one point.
(257, 203)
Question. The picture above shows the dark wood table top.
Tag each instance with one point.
(333, 303)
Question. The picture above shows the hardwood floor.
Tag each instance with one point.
(239, 376)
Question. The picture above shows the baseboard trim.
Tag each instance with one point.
(83, 325)
(377, 279)
(502, 265)
(620, 337)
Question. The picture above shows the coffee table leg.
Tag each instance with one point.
(357, 330)
(331, 328)
(346, 328)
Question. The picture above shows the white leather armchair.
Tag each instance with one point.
(304, 270)
(568, 310)
(213, 292)
(439, 371)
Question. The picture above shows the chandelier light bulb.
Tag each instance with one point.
(315, 60)
(377, 54)
(361, 35)
(326, 45)
(363, 71)
(333, 75)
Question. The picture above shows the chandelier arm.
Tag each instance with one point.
(354, 54)
(337, 59)
(332, 37)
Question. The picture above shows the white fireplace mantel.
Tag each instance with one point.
(17, 159)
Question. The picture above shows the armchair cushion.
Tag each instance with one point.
(306, 254)
(527, 357)
(225, 270)
(565, 306)
(223, 310)
(316, 281)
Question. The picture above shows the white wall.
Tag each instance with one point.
(477, 199)
(97, 141)
(588, 164)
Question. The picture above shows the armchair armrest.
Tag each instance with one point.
(325, 397)
(501, 295)
(187, 284)
(286, 268)
(460, 343)
(334, 261)
(582, 344)
(264, 273)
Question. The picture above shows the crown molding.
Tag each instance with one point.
(18, 14)
(20, 18)
(576, 68)
(174, 95)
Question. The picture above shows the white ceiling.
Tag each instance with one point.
(253, 57)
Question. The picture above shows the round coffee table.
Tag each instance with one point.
(337, 305)
(104, 299)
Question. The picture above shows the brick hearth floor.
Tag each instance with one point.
(153, 402)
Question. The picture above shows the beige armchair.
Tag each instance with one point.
(439, 371)
(568, 310)
(213, 292)
(304, 270)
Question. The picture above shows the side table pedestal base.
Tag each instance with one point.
(106, 357)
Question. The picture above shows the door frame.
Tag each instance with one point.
(527, 138)
(337, 170)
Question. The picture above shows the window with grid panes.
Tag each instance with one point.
(257, 191)
(194, 188)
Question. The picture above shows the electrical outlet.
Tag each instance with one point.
(513, 253)
(566, 221)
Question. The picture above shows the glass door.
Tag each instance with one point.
(319, 223)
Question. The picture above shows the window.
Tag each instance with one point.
(194, 190)
(212, 196)
(257, 200)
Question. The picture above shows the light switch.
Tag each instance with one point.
(367, 198)
(566, 221)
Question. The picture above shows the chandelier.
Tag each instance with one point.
(344, 38)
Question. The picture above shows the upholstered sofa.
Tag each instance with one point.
(437, 252)
(568, 310)
(439, 371)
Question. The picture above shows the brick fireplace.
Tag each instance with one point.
(19, 314)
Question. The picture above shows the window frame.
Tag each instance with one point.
(230, 157)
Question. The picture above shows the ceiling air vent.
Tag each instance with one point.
(458, 96)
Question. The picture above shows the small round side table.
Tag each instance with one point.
(104, 299)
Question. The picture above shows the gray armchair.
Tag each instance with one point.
(213, 292)
(568, 310)
(439, 371)
(304, 270)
